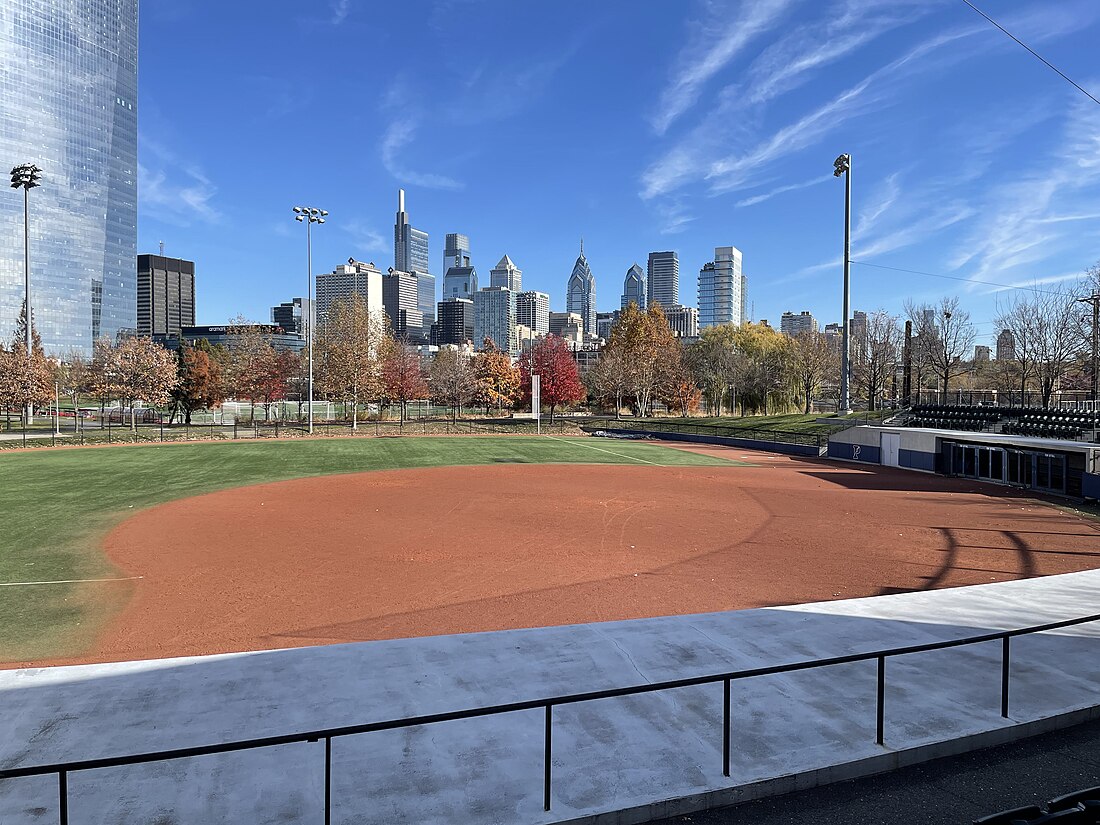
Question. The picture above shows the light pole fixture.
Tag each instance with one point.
(26, 177)
(309, 216)
(843, 166)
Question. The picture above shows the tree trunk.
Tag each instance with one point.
(355, 412)
(552, 407)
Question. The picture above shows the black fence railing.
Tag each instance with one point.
(819, 440)
(63, 769)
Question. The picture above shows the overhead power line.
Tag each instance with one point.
(957, 278)
(1046, 62)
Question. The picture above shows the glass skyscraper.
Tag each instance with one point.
(580, 293)
(68, 103)
(720, 289)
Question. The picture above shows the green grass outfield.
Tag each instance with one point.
(58, 504)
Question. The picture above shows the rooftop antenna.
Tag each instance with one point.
(162, 249)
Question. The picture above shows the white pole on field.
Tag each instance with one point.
(536, 403)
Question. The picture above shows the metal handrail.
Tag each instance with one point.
(62, 769)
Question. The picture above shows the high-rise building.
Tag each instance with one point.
(495, 318)
(68, 104)
(604, 322)
(720, 289)
(292, 315)
(567, 325)
(425, 297)
(353, 278)
(401, 300)
(1006, 346)
(507, 275)
(460, 282)
(663, 279)
(456, 251)
(580, 296)
(744, 299)
(410, 246)
(791, 324)
(684, 321)
(456, 321)
(165, 295)
(981, 354)
(634, 288)
(533, 310)
(857, 328)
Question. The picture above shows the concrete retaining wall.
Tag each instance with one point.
(750, 443)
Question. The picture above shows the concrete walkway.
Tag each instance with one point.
(636, 753)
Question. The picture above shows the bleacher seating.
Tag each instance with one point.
(1025, 421)
(1078, 808)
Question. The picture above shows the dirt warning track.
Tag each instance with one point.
(449, 550)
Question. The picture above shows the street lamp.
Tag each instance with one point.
(843, 166)
(309, 216)
(26, 177)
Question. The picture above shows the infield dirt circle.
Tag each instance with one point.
(458, 549)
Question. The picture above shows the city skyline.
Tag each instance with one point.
(1003, 198)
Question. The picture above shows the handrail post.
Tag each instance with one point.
(1004, 676)
(63, 797)
(881, 700)
(328, 780)
(726, 727)
(546, 761)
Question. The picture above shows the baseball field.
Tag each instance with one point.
(153, 551)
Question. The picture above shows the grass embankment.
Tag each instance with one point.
(58, 504)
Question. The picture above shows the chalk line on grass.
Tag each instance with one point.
(69, 581)
(602, 450)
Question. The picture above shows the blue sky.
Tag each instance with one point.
(640, 125)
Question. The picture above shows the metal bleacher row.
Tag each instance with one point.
(1077, 808)
(1027, 421)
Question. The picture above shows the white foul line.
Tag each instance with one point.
(602, 450)
(70, 581)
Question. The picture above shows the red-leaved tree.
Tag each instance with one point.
(403, 376)
(559, 381)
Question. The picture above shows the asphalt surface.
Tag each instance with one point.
(954, 790)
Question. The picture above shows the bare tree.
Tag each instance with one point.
(610, 380)
(954, 341)
(813, 360)
(452, 380)
(1049, 334)
(921, 345)
(716, 363)
(878, 359)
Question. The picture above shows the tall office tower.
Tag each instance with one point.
(604, 322)
(456, 251)
(292, 315)
(425, 291)
(663, 278)
(495, 318)
(165, 295)
(791, 324)
(1006, 346)
(857, 328)
(981, 354)
(580, 296)
(456, 321)
(410, 246)
(720, 284)
(68, 104)
(345, 281)
(634, 288)
(460, 282)
(507, 275)
(401, 300)
(533, 310)
(684, 321)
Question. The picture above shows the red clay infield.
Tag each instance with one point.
(450, 550)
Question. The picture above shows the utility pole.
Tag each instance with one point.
(843, 166)
(1094, 301)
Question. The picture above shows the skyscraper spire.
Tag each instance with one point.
(400, 200)
(582, 246)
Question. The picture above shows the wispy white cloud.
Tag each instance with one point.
(398, 136)
(886, 196)
(1033, 282)
(791, 187)
(174, 190)
(340, 11)
(674, 217)
(364, 237)
(713, 44)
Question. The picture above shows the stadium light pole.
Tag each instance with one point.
(26, 177)
(1094, 302)
(309, 216)
(843, 166)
